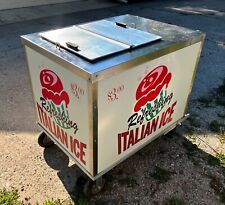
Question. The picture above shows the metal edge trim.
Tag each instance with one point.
(31, 84)
(66, 152)
(95, 126)
(64, 63)
(132, 63)
(163, 132)
(194, 73)
(90, 121)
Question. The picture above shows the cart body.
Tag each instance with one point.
(105, 89)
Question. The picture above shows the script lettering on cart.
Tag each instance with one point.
(153, 108)
(54, 114)
(71, 143)
(55, 99)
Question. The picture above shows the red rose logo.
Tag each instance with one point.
(151, 86)
(53, 88)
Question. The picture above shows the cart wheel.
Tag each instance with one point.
(44, 140)
(98, 186)
(86, 187)
(81, 189)
(93, 187)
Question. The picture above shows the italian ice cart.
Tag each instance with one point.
(105, 89)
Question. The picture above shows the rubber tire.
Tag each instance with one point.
(95, 190)
(44, 140)
(85, 187)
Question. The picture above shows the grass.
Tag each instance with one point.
(221, 158)
(213, 161)
(217, 127)
(12, 198)
(190, 147)
(222, 196)
(218, 160)
(221, 115)
(218, 188)
(216, 185)
(221, 88)
(56, 202)
(194, 122)
(192, 138)
(173, 201)
(206, 100)
(9, 197)
(128, 181)
(220, 101)
(222, 138)
(162, 175)
(218, 98)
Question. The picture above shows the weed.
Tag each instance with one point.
(189, 146)
(216, 185)
(128, 181)
(222, 196)
(221, 88)
(190, 130)
(192, 138)
(222, 138)
(80, 201)
(221, 158)
(173, 201)
(220, 101)
(222, 115)
(206, 100)
(194, 122)
(215, 126)
(57, 202)
(162, 175)
(9, 197)
(213, 161)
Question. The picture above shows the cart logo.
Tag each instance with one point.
(55, 99)
(52, 88)
(151, 86)
(151, 97)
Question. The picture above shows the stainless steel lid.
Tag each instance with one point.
(98, 39)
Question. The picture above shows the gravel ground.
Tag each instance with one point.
(170, 168)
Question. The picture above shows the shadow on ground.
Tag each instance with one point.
(169, 168)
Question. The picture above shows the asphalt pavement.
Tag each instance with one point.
(204, 15)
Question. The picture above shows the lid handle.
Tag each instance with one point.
(73, 46)
(121, 24)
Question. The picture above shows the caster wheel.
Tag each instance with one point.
(86, 187)
(81, 188)
(44, 140)
(98, 186)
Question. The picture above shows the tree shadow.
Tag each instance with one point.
(189, 173)
(192, 174)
